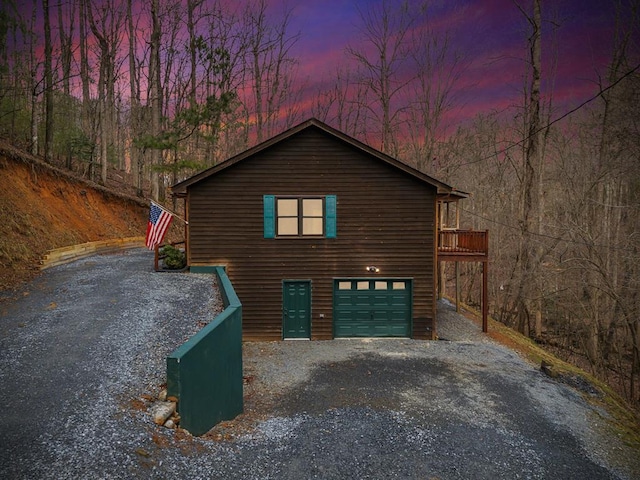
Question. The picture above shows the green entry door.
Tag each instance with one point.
(372, 308)
(296, 309)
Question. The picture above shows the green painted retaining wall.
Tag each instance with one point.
(205, 373)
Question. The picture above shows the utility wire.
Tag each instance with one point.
(561, 117)
(566, 114)
(543, 235)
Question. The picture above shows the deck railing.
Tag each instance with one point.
(463, 242)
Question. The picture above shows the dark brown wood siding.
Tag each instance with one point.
(385, 217)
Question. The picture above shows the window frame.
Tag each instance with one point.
(300, 216)
(330, 216)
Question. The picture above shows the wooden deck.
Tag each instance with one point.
(467, 246)
(463, 245)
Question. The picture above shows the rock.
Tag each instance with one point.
(161, 411)
(162, 396)
(169, 424)
(548, 369)
(172, 399)
(142, 452)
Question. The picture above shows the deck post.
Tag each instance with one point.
(457, 287)
(485, 296)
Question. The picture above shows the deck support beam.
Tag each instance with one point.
(466, 246)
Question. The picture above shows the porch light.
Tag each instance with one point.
(373, 269)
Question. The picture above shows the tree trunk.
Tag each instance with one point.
(66, 57)
(137, 162)
(271, 68)
(86, 81)
(108, 42)
(48, 85)
(534, 156)
(529, 293)
(155, 97)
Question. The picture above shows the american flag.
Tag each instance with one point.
(159, 221)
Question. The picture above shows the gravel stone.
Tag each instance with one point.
(82, 357)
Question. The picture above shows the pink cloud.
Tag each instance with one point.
(492, 34)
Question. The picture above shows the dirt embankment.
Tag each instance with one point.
(43, 207)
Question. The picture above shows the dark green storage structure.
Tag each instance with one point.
(370, 307)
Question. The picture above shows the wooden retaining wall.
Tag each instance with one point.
(60, 256)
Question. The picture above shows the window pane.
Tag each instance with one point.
(287, 226)
(381, 285)
(363, 285)
(312, 207)
(344, 285)
(399, 285)
(287, 207)
(312, 226)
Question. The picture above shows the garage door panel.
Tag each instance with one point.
(381, 300)
(372, 308)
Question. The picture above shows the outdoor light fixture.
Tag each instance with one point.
(373, 269)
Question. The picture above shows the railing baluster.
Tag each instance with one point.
(463, 241)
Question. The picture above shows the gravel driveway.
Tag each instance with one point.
(84, 346)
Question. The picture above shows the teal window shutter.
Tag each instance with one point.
(269, 202)
(330, 202)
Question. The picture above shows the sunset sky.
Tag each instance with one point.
(491, 34)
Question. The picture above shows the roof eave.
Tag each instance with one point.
(180, 189)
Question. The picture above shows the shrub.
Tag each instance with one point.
(173, 258)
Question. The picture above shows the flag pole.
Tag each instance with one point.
(169, 212)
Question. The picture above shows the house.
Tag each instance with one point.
(321, 235)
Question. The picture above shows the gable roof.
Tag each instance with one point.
(444, 190)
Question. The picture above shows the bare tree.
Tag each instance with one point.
(10, 74)
(33, 83)
(433, 92)
(107, 34)
(193, 40)
(85, 79)
(610, 269)
(222, 53)
(66, 34)
(339, 104)
(155, 95)
(135, 108)
(528, 294)
(574, 282)
(384, 50)
(48, 84)
(271, 66)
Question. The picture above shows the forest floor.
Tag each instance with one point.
(43, 207)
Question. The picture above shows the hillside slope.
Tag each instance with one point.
(43, 207)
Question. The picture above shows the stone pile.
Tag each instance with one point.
(164, 411)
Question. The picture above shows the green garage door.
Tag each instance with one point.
(372, 308)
